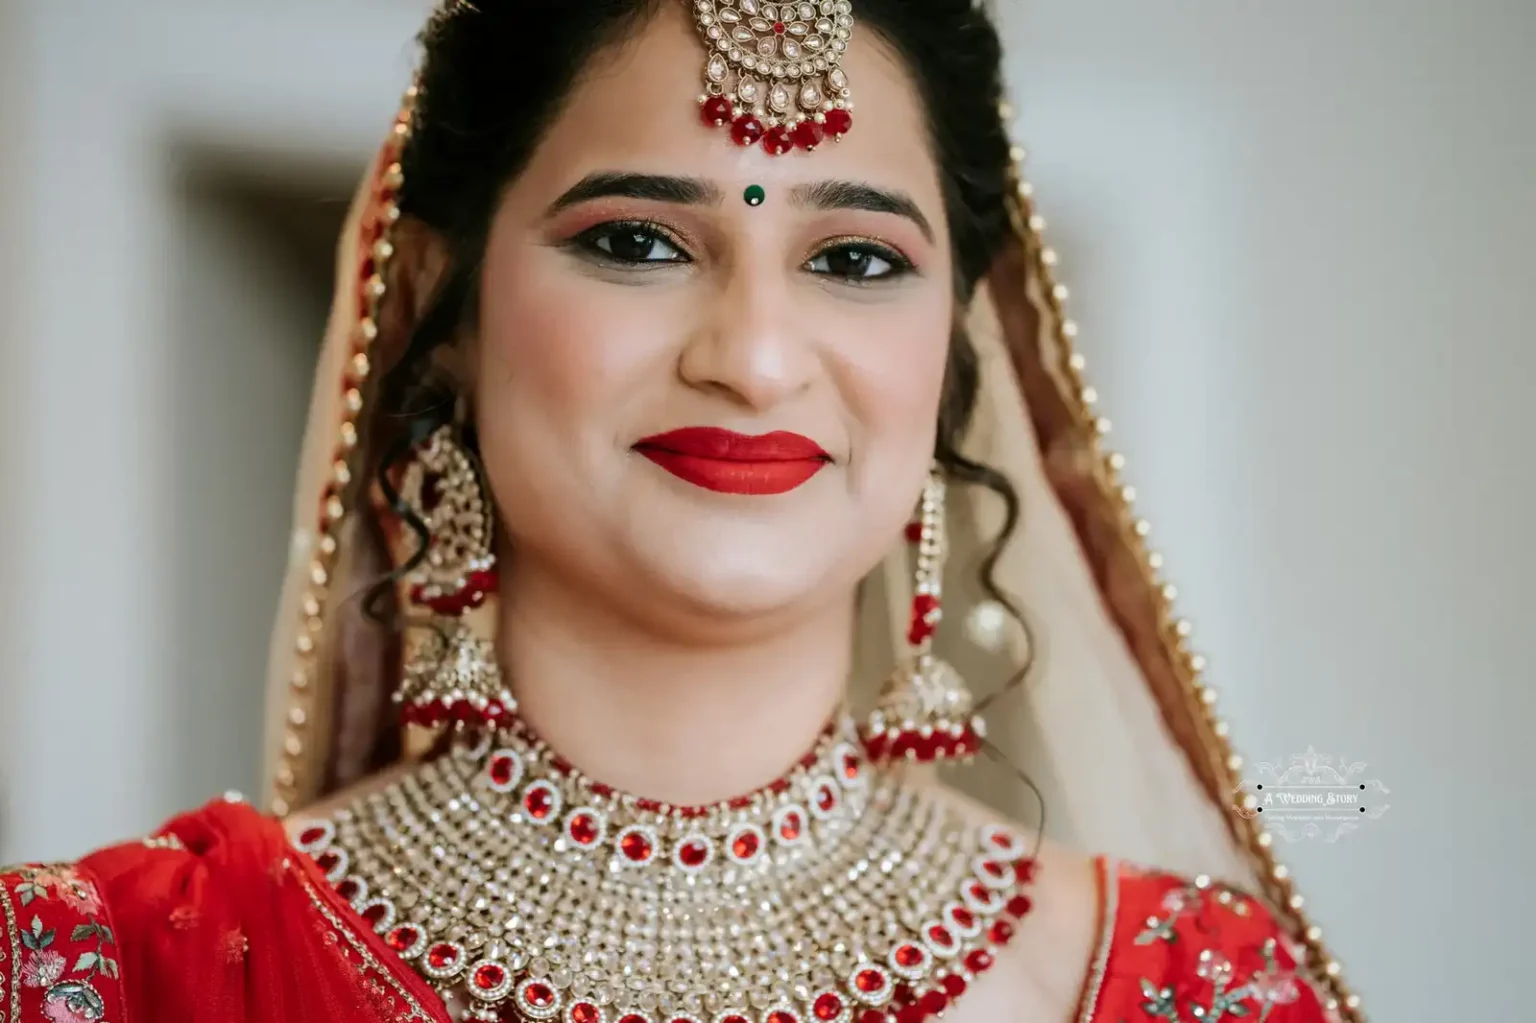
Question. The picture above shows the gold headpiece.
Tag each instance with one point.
(773, 71)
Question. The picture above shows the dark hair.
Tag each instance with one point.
(486, 100)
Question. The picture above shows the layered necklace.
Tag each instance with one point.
(841, 893)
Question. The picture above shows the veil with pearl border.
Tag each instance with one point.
(1113, 724)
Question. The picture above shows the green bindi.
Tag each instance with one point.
(754, 195)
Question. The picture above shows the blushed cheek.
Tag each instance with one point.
(550, 345)
(894, 384)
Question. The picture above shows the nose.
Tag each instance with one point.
(751, 347)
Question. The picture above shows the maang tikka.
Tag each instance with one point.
(451, 675)
(772, 74)
(924, 713)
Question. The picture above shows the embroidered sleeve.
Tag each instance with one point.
(1195, 951)
(58, 954)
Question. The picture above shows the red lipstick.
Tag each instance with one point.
(728, 462)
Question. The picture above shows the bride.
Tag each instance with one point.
(651, 417)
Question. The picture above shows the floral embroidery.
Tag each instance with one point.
(68, 970)
(1196, 951)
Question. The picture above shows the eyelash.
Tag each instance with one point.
(587, 244)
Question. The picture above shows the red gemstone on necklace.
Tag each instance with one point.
(908, 956)
(745, 845)
(1024, 870)
(828, 1006)
(934, 1002)
(502, 768)
(978, 961)
(440, 957)
(780, 1016)
(633, 1017)
(735, 1019)
(963, 918)
(807, 135)
(995, 868)
(693, 853)
(873, 1016)
(635, 847)
(940, 936)
(838, 122)
(489, 977)
(538, 802)
(309, 836)
(583, 829)
(540, 996)
(954, 985)
(327, 861)
(402, 938)
(911, 1014)
(777, 140)
(746, 130)
(348, 889)
(1019, 905)
(869, 981)
(789, 827)
(779, 27)
(716, 111)
(826, 798)
(585, 1012)
(850, 766)
(1001, 932)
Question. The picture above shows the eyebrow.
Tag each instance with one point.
(854, 195)
(685, 191)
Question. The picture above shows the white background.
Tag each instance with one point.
(1297, 236)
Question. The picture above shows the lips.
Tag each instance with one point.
(728, 462)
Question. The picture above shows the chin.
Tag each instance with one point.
(742, 573)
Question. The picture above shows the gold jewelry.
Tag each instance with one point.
(450, 672)
(841, 893)
(773, 71)
(924, 711)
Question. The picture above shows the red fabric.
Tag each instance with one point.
(216, 920)
(1176, 951)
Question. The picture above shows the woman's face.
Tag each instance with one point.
(631, 292)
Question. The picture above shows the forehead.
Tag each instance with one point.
(636, 109)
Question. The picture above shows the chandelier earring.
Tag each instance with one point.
(450, 673)
(924, 712)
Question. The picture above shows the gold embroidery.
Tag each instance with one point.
(1111, 874)
(417, 1013)
(10, 982)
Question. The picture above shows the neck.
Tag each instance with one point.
(652, 713)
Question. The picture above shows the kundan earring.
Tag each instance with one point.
(450, 673)
(924, 712)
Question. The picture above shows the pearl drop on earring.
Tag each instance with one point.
(986, 625)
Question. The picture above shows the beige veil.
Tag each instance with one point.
(1114, 723)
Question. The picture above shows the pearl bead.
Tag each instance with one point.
(986, 625)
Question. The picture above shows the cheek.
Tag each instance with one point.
(891, 371)
(557, 354)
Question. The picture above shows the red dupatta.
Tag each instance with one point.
(216, 919)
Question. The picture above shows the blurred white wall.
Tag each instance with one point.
(1297, 238)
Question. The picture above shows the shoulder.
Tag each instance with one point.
(1174, 946)
(1048, 956)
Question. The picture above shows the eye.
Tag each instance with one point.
(630, 242)
(859, 261)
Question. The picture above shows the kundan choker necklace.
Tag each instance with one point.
(841, 893)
